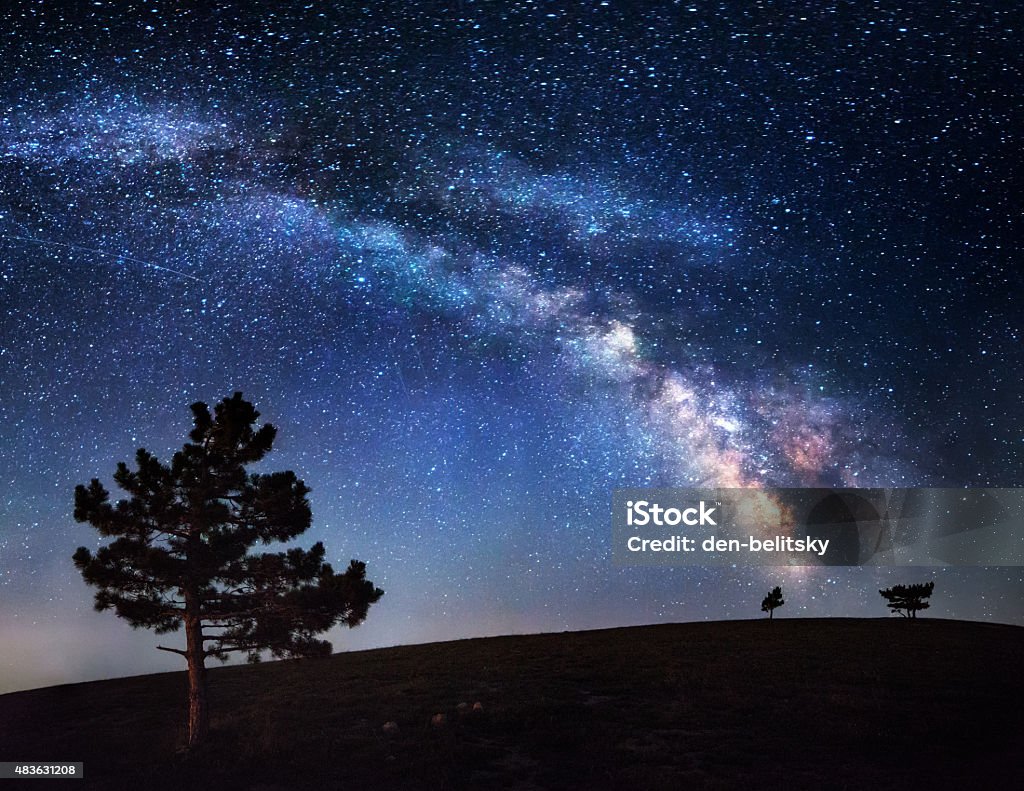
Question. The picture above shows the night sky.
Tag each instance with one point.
(482, 263)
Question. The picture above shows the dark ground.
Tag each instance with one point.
(838, 703)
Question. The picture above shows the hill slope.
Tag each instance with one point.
(751, 704)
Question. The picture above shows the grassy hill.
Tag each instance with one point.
(886, 703)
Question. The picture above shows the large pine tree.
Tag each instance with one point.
(181, 556)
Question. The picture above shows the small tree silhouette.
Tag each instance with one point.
(771, 601)
(908, 599)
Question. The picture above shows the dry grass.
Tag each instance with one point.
(749, 704)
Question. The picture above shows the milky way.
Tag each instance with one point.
(481, 266)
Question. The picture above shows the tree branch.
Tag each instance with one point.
(172, 650)
(224, 649)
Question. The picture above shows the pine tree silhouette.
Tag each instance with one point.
(180, 555)
(908, 599)
(771, 601)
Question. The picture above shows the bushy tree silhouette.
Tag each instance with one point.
(771, 601)
(180, 555)
(908, 599)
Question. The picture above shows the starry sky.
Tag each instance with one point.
(482, 263)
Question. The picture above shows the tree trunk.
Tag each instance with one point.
(771, 613)
(198, 707)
